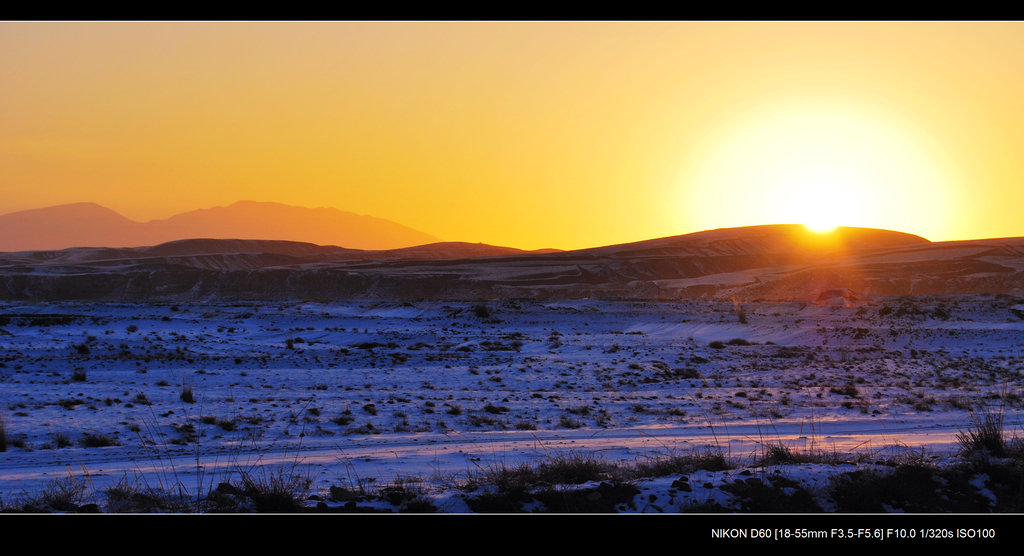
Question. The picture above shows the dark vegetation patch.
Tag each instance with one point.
(774, 495)
(710, 460)
(96, 440)
(41, 320)
(908, 488)
(605, 498)
(375, 345)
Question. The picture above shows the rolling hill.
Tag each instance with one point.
(781, 262)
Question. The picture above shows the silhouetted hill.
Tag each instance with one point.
(275, 221)
(760, 240)
(64, 226)
(90, 225)
(761, 262)
(457, 250)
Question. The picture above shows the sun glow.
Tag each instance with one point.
(822, 166)
(820, 227)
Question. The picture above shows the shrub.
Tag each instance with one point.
(777, 454)
(276, 490)
(125, 497)
(78, 376)
(569, 422)
(848, 390)
(186, 394)
(62, 495)
(481, 421)
(3, 435)
(61, 440)
(684, 464)
(984, 437)
(96, 440)
(571, 469)
(481, 311)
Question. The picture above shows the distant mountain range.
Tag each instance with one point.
(780, 262)
(91, 225)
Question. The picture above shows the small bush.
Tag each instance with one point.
(482, 421)
(96, 440)
(342, 420)
(571, 469)
(61, 440)
(481, 311)
(685, 464)
(3, 435)
(276, 490)
(848, 390)
(984, 437)
(78, 376)
(569, 422)
(186, 394)
(62, 495)
(125, 497)
(778, 454)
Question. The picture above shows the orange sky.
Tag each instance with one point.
(530, 135)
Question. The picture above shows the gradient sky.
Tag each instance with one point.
(530, 135)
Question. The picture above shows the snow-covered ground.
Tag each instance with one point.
(430, 393)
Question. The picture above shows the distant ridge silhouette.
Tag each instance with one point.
(92, 225)
(843, 268)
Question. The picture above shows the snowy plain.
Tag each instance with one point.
(429, 392)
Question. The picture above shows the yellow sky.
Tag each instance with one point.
(530, 135)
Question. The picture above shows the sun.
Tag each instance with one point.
(818, 164)
(820, 227)
(820, 195)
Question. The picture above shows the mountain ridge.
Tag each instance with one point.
(89, 224)
(780, 262)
